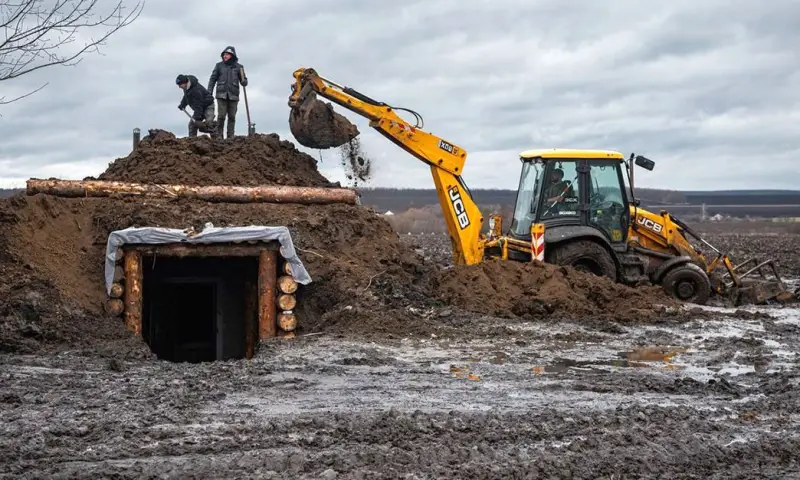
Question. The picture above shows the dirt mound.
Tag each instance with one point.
(61, 243)
(261, 159)
(528, 290)
(43, 286)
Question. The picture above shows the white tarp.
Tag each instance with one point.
(210, 234)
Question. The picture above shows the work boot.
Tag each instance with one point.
(231, 128)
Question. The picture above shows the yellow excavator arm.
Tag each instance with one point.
(446, 159)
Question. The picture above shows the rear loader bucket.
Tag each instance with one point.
(759, 292)
(314, 124)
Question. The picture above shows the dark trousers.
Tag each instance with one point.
(226, 108)
(207, 117)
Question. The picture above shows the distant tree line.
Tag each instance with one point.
(7, 192)
(400, 200)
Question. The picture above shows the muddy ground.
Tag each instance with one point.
(710, 393)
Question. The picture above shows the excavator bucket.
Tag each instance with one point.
(756, 283)
(314, 124)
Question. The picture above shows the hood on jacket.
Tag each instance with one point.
(232, 51)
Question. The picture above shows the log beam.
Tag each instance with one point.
(203, 250)
(267, 278)
(213, 193)
(286, 301)
(117, 290)
(287, 284)
(133, 292)
(115, 306)
(287, 321)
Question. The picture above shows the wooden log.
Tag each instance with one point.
(115, 306)
(133, 292)
(203, 250)
(287, 268)
(116, 290)
(119, 254)
(286, 284)
(286, 301)
(287, 321)
(250, 319)
(267, 311)
(213, 193)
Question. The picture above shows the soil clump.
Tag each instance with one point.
(317, 125)
(366, 281)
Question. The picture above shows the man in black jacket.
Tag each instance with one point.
(202, 103)
(227, 75)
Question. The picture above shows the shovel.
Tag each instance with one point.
(251, 127)
(201, 125)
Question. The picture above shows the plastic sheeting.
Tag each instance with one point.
(210, 234)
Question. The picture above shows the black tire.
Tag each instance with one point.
(587, 256)
(687, 283)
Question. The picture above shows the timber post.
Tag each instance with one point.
(133, 291)
(267, 275)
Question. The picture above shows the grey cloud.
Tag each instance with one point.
(682, 82)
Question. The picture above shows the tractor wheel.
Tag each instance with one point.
(586, 256)
(687, 283)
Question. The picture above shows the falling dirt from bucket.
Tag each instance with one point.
(357, 166)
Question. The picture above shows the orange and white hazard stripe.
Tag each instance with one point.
(537, 242)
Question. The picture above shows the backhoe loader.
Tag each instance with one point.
(573, 207)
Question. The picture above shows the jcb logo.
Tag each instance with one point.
(458, 206)
(447, 147)
(647, 223)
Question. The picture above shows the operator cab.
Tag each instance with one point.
(583, 189)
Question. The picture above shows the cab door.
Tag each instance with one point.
(607, 200)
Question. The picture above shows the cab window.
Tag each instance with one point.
(561, 190)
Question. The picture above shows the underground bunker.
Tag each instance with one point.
(199, 300)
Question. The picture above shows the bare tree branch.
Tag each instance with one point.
(36, 33)
(3, 100)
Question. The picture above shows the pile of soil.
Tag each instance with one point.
(365, 280)
(317, 125)
(510, 289)
(262, 159)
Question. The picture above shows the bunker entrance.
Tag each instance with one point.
(204, 302)
(198, 309)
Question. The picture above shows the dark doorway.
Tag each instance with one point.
(195, 309)
(184, 314)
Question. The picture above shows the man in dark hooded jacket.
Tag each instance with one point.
(200, 100)
(227, 76)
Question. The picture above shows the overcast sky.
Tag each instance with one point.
(709, 89)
